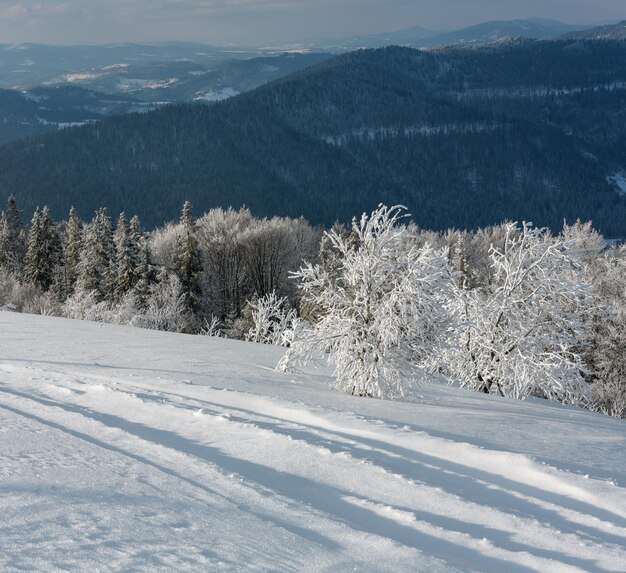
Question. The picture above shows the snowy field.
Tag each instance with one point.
(130, 450)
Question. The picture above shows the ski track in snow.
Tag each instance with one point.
(125, 449)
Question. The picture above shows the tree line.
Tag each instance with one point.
(510, 310)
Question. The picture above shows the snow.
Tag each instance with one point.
(538, 91)
(34, 97)
(134, 450)
(132, 84)
(218, 95)
(81, 76)
(64, 125)
(619, 180)
(371, 133)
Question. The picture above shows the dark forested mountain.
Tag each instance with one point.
(608, 32)
(81, 97)
(463, 137)
(46, 109)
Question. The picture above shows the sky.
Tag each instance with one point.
(255, 22)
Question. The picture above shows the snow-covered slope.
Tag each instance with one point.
(131, 450)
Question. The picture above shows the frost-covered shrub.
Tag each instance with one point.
(85, 305)
(212, 327)
(45, 304)
(167, 307)
(9, 286)
(23, 297)
(128, 310)
(271, 320)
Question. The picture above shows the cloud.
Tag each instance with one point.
(24, 11)
(249, 21)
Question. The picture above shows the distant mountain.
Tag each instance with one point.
(87, 96)
(185, 80)
(608, 32)
(526, 130)
(484, 33)
(24, 66)
(494, 31)
(407, 36)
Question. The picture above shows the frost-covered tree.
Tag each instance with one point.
(224, 269)
(381, 310)
(127, 239)
(520, 335)
(96, 271)
(271, 320)
(44, 251)
(11, 244)
(144, 270)
(606, 354)
(609, 362)
(86, 305)
(188, 261)
(72, 249)
(267, 249)
(167, 307)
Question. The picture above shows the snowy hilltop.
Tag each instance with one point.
(135, 450)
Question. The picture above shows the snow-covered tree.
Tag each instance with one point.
(86, 305)
(224, 268)
(72, 249)
(11, 244)
(127, 239)
(381, 310)
(267, 249)
(609, 362)
(167, 307)
(144, 270)
(44, 251)
(606, 354)
(188, 262)
(520, 336)
(271, 320)
(96, 271)
(212, 327)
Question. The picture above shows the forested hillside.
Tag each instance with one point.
(45, 109)
(394, 125)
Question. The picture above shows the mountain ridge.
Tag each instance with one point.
(394, 125)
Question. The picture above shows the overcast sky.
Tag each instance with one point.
(267, 21)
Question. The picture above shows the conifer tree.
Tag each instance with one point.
(125, 264)
(188, 259)
(11, 245)
(72, 249)
(144, 273)
(96, 268)
(44, 251)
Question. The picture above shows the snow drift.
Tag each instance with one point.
(125, 449)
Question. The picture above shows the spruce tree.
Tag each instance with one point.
(11, 244)
(44, 251)
(125, 265)
(188, 259)
(96, 268)
(144, 271)
(72, 250)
